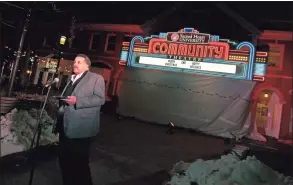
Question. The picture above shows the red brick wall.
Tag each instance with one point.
(281, 83)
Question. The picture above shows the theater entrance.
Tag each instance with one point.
(268, 113)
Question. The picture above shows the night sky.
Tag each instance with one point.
(204, 16)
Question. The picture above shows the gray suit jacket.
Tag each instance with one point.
(83, 119)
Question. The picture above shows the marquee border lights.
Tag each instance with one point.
(201, 53)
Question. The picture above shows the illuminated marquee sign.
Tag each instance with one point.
(189, 51)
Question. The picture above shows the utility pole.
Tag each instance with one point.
(1, 47)
(23, 73)
(18, 55)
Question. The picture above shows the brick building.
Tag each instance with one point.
(272, 105)
(101, 42)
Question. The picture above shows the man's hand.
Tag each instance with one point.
(70, 100)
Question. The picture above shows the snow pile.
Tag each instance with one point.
(18, 128)
(229, 170)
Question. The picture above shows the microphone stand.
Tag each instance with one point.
(38, 132)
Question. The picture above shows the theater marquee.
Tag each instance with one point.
(189, 51)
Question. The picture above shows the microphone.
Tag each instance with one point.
(56, 80)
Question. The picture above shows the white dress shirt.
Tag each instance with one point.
(76, 77)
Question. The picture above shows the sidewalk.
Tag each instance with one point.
(127, 152)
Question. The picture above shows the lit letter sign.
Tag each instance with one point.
(196, 53)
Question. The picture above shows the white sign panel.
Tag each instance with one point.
(201, 66)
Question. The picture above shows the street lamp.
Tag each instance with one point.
(62, 40)
(29, 72)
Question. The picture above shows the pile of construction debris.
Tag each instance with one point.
(228, 170)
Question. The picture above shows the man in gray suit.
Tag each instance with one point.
(78, 121)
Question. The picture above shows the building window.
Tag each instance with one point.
(275, 56)
(110, 43)
(95, 41)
